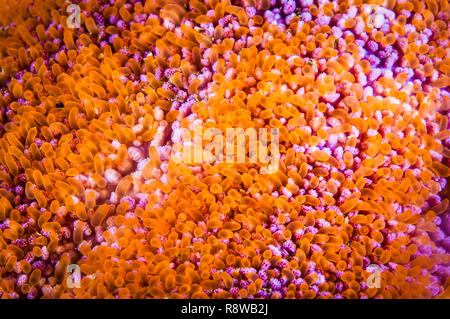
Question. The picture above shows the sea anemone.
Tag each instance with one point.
(92, 116)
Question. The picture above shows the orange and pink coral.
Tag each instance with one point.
(90, 117)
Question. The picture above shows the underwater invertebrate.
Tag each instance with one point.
(91, 120)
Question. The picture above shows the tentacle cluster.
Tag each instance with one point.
(91, 116)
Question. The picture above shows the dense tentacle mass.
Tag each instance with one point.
(95, 98)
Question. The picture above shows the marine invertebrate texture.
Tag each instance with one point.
(91, 116)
